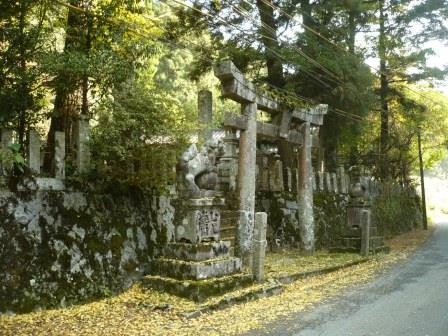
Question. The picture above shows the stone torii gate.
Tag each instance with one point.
(236, 87)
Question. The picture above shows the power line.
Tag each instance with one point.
(274, 32)
(275, 53)
(331, 42)
(348, 115)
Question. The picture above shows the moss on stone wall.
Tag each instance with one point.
(330, 216)
(63, 247)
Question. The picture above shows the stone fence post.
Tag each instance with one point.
(365, 232)
(33, 159)
(205, 115)
(59, 155)
(82, 138)
(261, 219)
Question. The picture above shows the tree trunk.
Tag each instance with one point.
(71, 90)
(384, 89)
(351, 30)
(270, 41)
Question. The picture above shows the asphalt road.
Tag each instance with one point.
(411, 299)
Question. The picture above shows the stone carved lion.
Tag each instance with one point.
(197, 170)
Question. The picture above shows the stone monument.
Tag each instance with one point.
(198, 264)
(360, 234)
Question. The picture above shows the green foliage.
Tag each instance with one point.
(139, 135)
(22, 35)
(11, 159)
(396, 210)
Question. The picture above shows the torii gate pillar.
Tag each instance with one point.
(305, 191)
(246, 183)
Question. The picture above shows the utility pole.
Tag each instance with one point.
(422, 180)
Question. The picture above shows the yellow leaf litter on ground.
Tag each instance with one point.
(131, 314)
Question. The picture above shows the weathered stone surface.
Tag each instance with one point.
(197, 170)
(305, 192)
(59, 155)
(246, 183)
(340, 172)
(205, 115)
(334, 180)
(82, 138)
(6, 138)
(289, 179)
(292, 205)
(260, 244)
(329, 185)
(197, 252)
(33, 157)
(42, 184)
(244, 238)
(198, 290)
(199, 220)
(321, 181)
(276, 177)
(365, 232)
(263, 179)
(82, 245)
(195, 270)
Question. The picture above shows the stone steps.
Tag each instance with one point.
(227, 231)
(195, 270)
(356, 232)
(353, 245)
(341, 249)
(197, 252)
(355, 242)
(198, 290)
(229, 220)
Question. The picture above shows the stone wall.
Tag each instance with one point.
(330, 218)
(283, 221)
(60, 246)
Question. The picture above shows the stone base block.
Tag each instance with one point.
(198, 290)
(353, 245)
(197, 252)
(196, 270)
(356, 232)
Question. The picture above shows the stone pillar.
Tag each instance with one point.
(33, 159)
(228, 162)
(341, 178)
(335, 182)
(288, 179)
(59, 155)
(82, 138)
(263, 178)
(321, 180)
(6, 141)
(295, 180)
(305, 191)
(328, 182)
(6, 138)
(276, 177)
(205, 115)
(365, 232)
(261, 220)
(246, 183)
